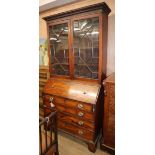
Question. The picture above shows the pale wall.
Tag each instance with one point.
(111, 45)
(111, 27)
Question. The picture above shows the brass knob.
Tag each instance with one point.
(51, 102)
(80, 132)
(51, 99)
(80, 114)
(80, 123)
(80, 106)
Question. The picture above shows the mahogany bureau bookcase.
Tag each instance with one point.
(77, 42)
(108, 135)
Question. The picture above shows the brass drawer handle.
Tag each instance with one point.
(51, 99)
(80, 114)
(80, 132)
(51, 102)
(80, 106)
(80, 123)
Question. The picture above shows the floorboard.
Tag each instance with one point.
(69, 145)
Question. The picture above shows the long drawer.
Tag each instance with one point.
(75, 112)
(79, 105)
(76, 121)
(70, 103)
(80, 132)
(77, 109)
(81, 114)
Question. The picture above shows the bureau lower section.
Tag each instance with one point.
(75, 118)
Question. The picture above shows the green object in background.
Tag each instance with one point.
(43, 56)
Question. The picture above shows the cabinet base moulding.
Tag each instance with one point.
(106, 148)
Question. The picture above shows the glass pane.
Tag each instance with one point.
(59, 49)
(86, 48)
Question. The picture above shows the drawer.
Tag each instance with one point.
(56, 100)
(58, 106)
(76, 121)
(79, 105)
(82, 133)
(81, 114)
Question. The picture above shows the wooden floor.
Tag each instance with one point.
(69, 145)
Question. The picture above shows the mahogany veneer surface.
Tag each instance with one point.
(77, 104)
(108, 139)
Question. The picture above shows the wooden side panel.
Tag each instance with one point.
(109, 114)
(43, 77)
(108, 140)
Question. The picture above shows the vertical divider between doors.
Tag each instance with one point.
(71, 52)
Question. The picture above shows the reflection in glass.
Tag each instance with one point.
(86, 48)
(59, 49)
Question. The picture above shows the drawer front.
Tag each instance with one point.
(78, 109)
(79, 105)
(82, 133)
(77, 122)
(60, 108)
(56, 100)
(81, 114)
(69, 103)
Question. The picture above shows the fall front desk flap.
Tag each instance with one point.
(73, 89)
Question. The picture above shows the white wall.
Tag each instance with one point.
(111, 45)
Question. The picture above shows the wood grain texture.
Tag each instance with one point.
(106, 10)
(76, 121)
(80, 132)
(96, 10)
(73, 89)
(76, 117)
(108, 139)
(43, 76)
(69, 7)
(78, 101)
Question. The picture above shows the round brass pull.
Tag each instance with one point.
(80, 106)
(51, 99)
(80, 123)
(80, 114)
(80, 132)
(51, 102)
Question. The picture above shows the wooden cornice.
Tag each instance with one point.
(93, 7)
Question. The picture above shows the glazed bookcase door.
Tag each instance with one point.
(86, 47)
(59, 49)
